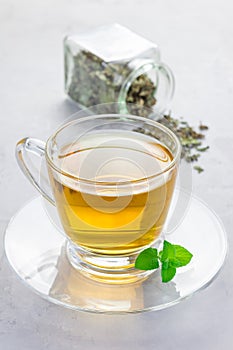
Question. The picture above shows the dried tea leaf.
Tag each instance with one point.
(198, 169)
(203, 127)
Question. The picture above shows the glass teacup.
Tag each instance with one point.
(112, 179)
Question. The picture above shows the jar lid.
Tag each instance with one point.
(120, 43)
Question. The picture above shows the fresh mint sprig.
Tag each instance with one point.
(169, 259)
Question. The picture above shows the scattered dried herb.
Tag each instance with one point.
(198, 168)
(193, 158)
(203, 149)
(203, 127)
(91, 81)
(190, 139)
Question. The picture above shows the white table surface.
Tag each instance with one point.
(195, 38)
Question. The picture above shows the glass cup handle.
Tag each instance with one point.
(167, 72)
(24, 149)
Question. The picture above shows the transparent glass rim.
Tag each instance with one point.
(119, 117)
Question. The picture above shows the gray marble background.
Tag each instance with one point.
(195, 38)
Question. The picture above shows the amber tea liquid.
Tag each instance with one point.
(120, 207)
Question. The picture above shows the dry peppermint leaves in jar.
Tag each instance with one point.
(114, 64)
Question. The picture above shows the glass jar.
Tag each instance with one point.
(113, 64)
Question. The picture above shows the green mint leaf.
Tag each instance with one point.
(167, 273)
(174, 255)
(147, 259)
(166, 264)
(182, 256)
(171, 257)
(168, 252)
(175, 263)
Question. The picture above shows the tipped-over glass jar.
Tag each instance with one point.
(113, 64)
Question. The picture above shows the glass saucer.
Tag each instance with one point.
(37, 252)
